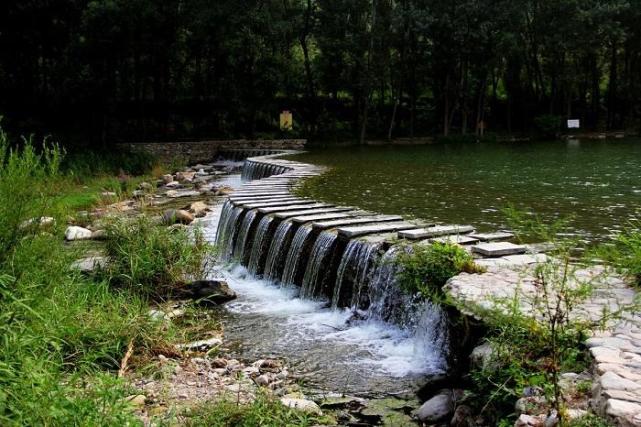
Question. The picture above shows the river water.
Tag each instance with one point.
(597, 182)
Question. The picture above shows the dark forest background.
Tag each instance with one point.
(107, 70)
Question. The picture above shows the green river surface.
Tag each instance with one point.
(595, 182)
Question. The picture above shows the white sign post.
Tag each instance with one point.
(574, 124)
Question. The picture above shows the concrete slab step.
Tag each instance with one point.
(301, 207)
(491, 237)
(326, 216)
(322, 225)
(234, 198)
(295, 202)
(498, 249)
(243, 201)
(362, 230)
(293, 214)
(436, 231)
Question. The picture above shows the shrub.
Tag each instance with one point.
(152, 259)
(624, 253)
(25, 176)
(426, 268)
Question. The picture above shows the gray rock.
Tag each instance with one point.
(77, 233)
(99, 235)
(176, 216)
(167, 178)
(145, 186)
(90, 264)
(303, 405)
(211, 291)
(173, 184)
(437, 409)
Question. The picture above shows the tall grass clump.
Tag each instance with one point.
(155, 260)
(624, 252)
(426, 268)
(62, 337)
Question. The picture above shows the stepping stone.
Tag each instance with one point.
(456, 239)
(437, 230)
(322, 225)
(234, 198)
(498, 249)
(319, 217)
(244, 201)
(301, 207)
(362, 230)
(261, 193)
(293, 214)
(489, 237)
(275, 204)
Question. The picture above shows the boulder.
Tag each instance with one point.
(438, 408)
(77, 233)
(173, 184)
(43, 221)
(530, 421)
(199, 209)
(167, 178)
(177, 216)
(211, 291)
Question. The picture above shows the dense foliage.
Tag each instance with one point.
(144, 69)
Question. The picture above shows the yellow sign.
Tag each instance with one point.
(286, 120)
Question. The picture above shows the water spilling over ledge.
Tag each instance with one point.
(327, 276)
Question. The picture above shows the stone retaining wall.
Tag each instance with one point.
(203, 151)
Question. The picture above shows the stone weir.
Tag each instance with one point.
(343, 255)
(336, 253)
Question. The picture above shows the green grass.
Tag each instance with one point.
(154, 260)
(62, 335)
(263, 412)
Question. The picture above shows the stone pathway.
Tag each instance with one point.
(616, 351)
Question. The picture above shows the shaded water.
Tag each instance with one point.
(597, 181)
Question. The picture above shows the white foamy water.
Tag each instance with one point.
(380, 346)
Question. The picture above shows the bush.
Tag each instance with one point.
(25, 176)
(152, 259)
(426, 268)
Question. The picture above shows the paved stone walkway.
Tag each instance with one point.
(616, 350)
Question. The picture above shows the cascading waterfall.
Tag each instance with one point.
(257, 247)
(243, 232)
(357, 257)
(226, 230)
(317, 260)
(277, 249)
(294, 254)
